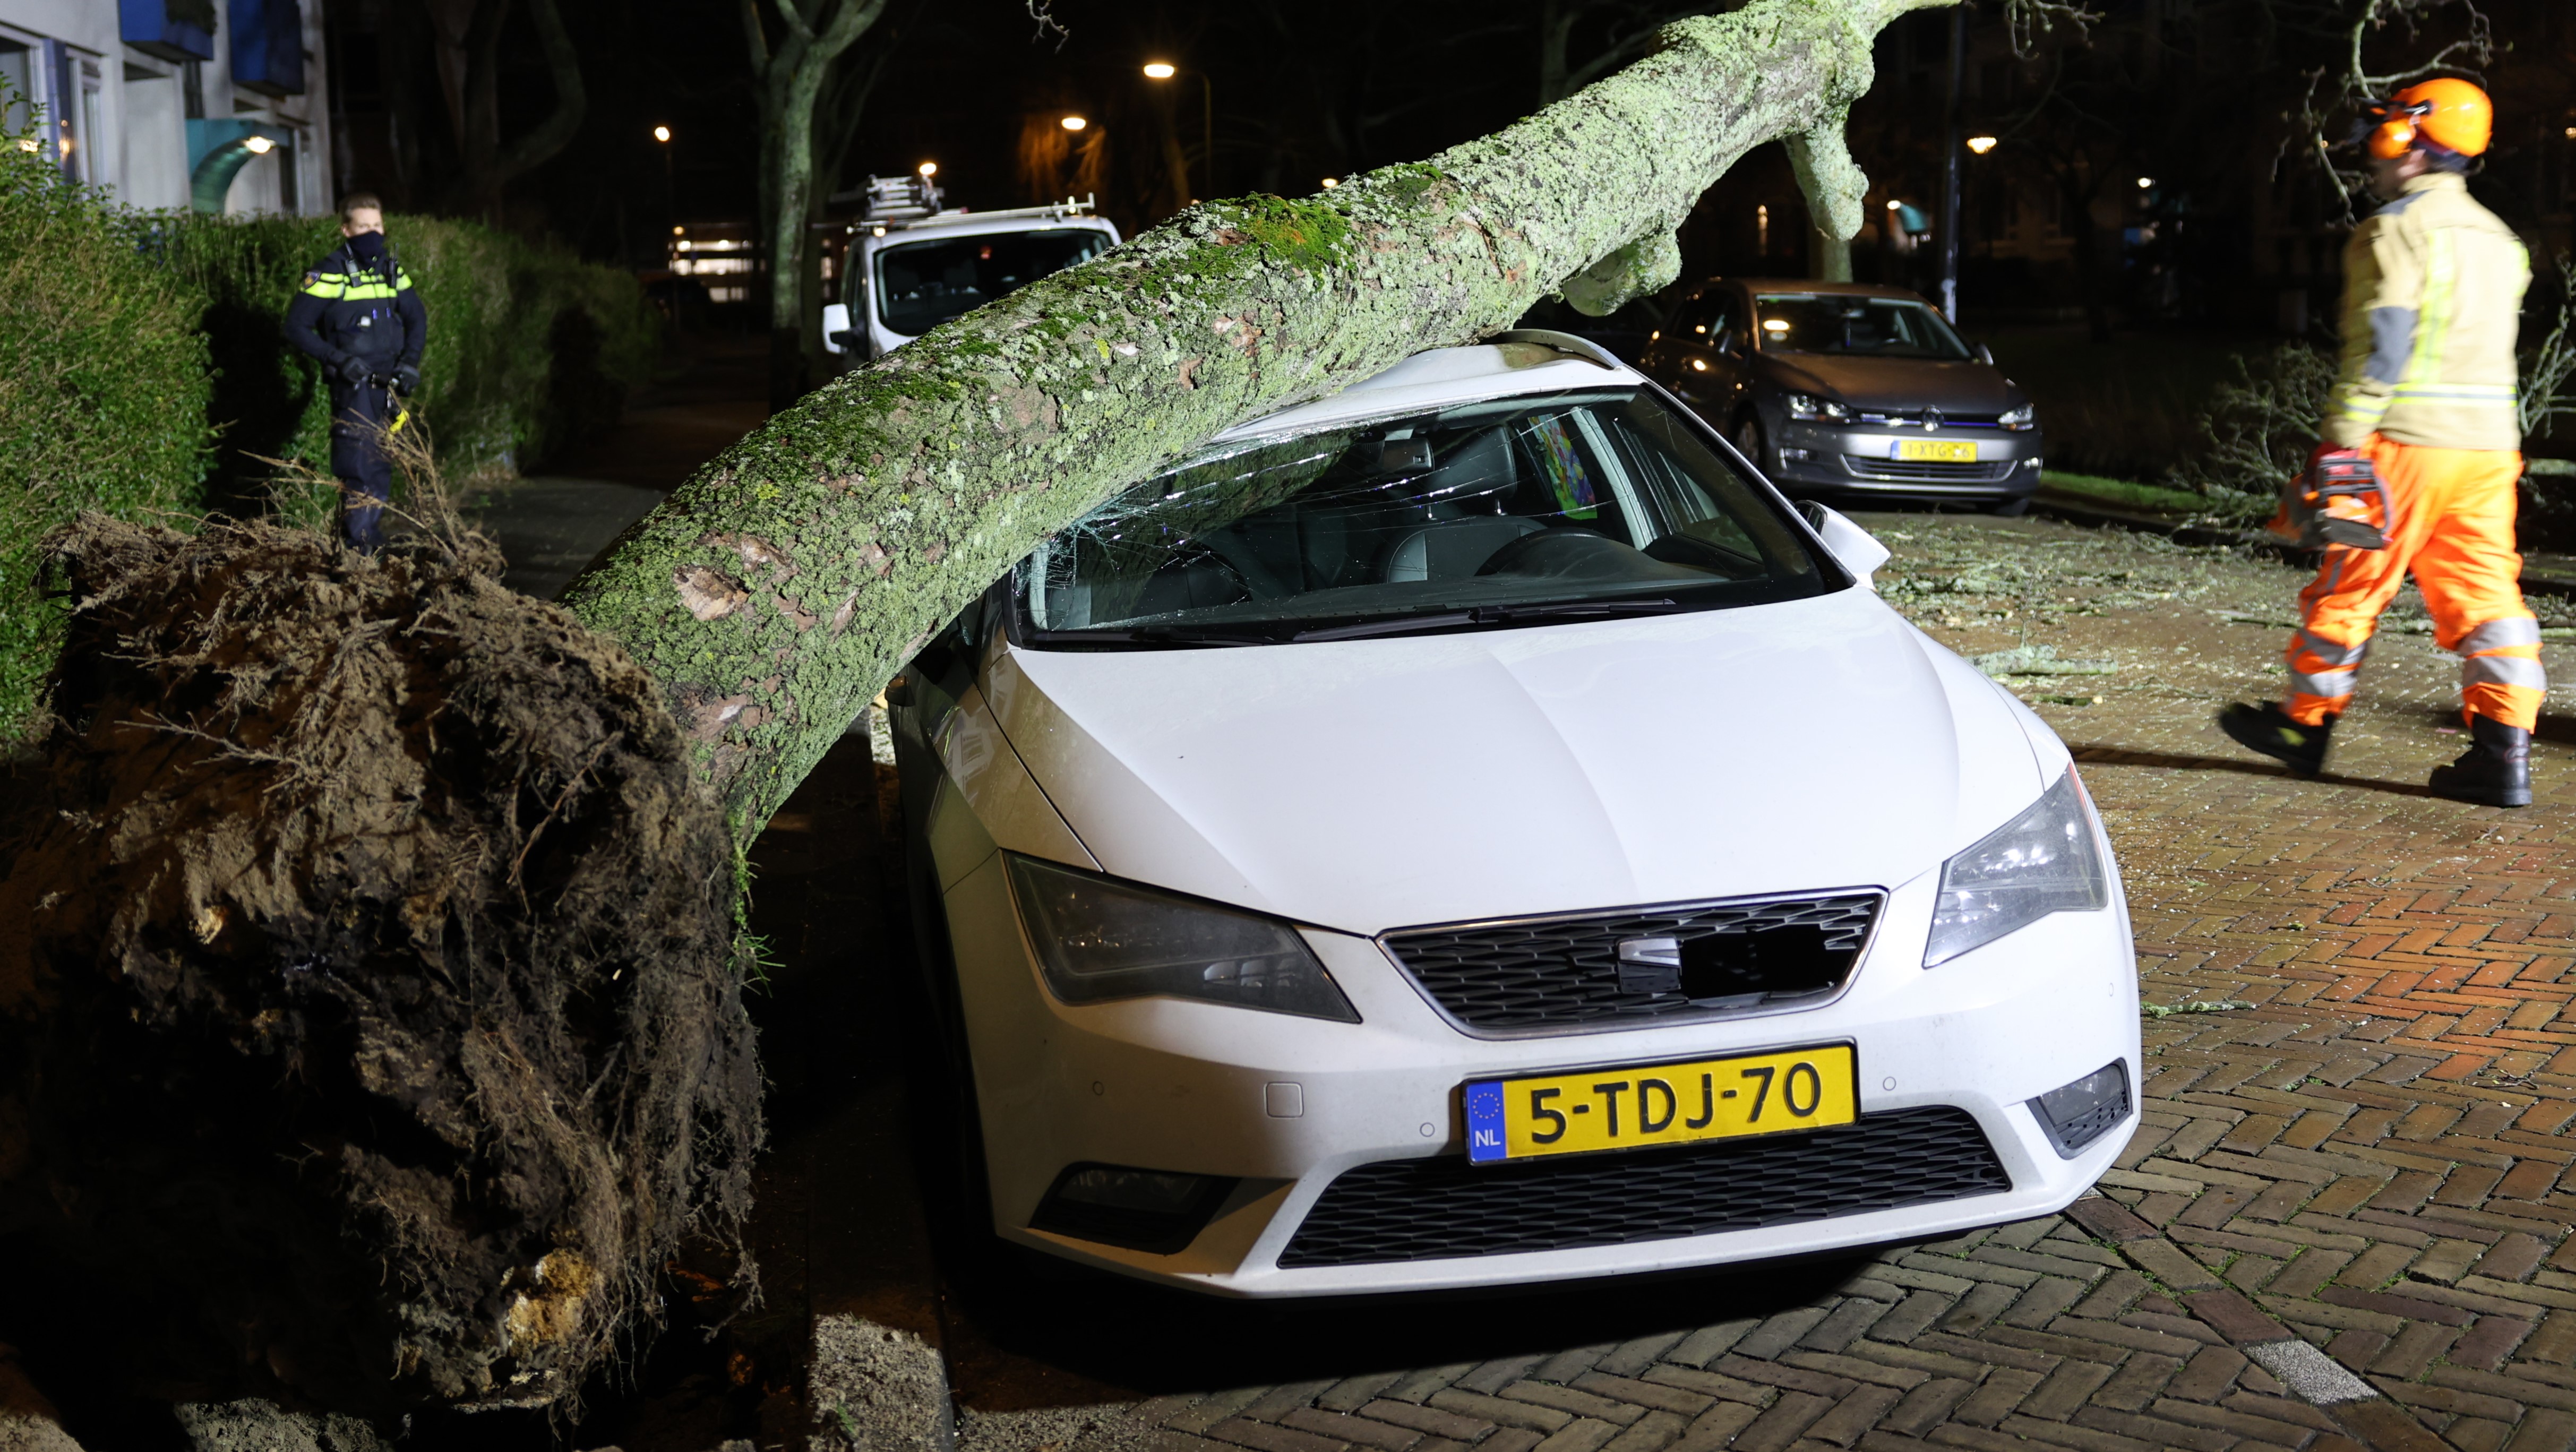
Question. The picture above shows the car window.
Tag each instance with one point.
(1471, 516)
(1883, 327)
(1705, 318)
(923, 284)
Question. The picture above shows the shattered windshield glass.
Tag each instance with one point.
(1518, 510)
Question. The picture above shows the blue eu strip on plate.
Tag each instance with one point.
(1485, 1142)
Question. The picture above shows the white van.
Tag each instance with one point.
(911, 268)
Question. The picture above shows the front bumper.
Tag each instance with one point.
(1177, 1086)
(1861, 461)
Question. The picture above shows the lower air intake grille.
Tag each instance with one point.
(1440, 1208)
(1930, 471)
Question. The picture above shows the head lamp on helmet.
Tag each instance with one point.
(2442, 114)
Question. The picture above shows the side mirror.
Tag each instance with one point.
(1985, 354)
(836, 321)
(1852, 547)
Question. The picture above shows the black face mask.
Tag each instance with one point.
(368, 247)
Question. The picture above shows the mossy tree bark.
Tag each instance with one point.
(777, 592)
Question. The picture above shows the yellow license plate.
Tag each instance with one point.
(1661, 1104)
(1946, 451)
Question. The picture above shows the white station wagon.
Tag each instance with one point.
(1472, 830)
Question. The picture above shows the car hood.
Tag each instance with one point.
(1895, 384)
(1374, 784)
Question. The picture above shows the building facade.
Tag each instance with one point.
(216, 105)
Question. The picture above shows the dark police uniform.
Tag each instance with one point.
(357, 315)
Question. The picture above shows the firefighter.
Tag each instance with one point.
(357, 316)
(2419, 457)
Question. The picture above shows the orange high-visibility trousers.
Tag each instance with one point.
(2454, 513)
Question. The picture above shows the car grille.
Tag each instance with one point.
(1533, 975)
(1930, 471)
(1442, 1208)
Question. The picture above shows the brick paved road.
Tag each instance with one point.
(2344, 1223)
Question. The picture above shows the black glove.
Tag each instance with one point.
(351, 368)
(406, 379)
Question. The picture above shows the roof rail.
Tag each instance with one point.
(1583, 348)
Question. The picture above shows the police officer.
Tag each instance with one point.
(358, 317)
(2420, 456)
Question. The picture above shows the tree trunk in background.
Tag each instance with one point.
(776, 592)
(467, 47)
(788, 80)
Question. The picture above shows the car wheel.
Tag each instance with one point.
(1749, 440)
(2010, 508)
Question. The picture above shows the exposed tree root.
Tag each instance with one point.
(368, 1029)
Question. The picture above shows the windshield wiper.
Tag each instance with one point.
(1492, 615)
(1172, 635)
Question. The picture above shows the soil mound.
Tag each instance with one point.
(369, 1036)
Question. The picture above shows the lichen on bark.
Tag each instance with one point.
(775, 593)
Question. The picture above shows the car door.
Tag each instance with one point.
(1705, 353)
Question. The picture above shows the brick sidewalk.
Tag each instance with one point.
(2345, 1221)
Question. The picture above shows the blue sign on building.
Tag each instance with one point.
(174, 30)
(268, 46)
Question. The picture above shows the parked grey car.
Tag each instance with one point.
(1845, 390)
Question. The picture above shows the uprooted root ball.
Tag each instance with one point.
(365, 979)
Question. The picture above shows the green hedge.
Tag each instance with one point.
(103, 394)
(142, 371)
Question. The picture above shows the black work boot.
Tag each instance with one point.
(2495, 771)
(2268, 729)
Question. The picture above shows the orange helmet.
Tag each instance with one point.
(2451, 114)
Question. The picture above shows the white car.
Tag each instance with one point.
(1471, 830)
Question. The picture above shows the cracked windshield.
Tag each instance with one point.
(1594, 504)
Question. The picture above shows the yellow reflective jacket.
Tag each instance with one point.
(2432, 300)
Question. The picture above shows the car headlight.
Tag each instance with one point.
(1099, 939)
(2020, 419)
(1807, 408)
(2043, 861)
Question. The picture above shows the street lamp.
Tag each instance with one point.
(670, 185)
(928, 168)
(1073, 123)
(258, 145)
(1981, 144)
(1164, 71)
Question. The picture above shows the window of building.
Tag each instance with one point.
(18, 73)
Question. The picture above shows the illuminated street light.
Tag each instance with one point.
(1331, 182)
(662, 134)
(258, 145)
(1074, 123)
(1164, 71)
(2145, 182)
(1895, 206)
(1981, 144)
(928, 168)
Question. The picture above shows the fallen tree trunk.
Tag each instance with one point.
(776, 593)
(365, 975)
